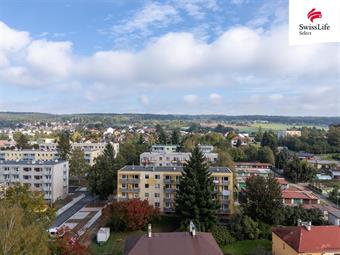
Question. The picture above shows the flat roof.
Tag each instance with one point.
(213, 169)
(31, 162)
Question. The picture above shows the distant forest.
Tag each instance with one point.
(10, 119)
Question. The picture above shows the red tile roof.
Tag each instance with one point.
(291, 194)
(318, 239)
(282, 181)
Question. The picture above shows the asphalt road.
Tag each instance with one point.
(72, 210)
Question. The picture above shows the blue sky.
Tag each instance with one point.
(183, 56)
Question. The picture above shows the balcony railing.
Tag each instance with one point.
(131, 181)
(135, 190)
(168, 210)
(168, 200)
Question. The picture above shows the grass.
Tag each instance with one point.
(243, 247)
(271, 126)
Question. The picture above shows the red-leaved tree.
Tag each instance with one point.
(132, 214)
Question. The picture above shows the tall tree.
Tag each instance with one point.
(175, 137)
(266, 155)
(64, 146)
(262, 199)
(259, 135)
(18, 234)
(162, 139)
(195, 197)
(101, 178)
(282, 159)
(21, 140)
(78, 165)
(269, 139)
(299, 170)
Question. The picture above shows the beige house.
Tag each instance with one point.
(30, 154)
(158, 185)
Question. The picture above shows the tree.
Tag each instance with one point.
(162, 139)
(237, 154)
(78, 165)
(269, 139)
(251, 153)
(334, 195)
(18, 234)
(266, 155)
(291, 215)
(224, 159)
(242, 227)
(259, 135)
(32, 203)
(195, 197)
(133, 214)
(76, 137)
(64, 146)
(299, 170)
(282, 159)
(101, 178)
(68, 243)
(175, 137)
(21, 140)
(262, 199)
(333, 136)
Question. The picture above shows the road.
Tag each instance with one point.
(72, 210)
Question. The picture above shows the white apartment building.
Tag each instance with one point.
(95, 146)
(28, 155)
(160, 148)
(49, 177)
(171, 159)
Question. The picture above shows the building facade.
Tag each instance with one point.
(245, 170)
(283, 134)
(49, 177)
(29, 155)
(158, 185)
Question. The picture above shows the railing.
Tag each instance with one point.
(169, 210)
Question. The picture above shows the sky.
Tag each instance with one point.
(174, 56)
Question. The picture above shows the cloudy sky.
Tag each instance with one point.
(172, 56)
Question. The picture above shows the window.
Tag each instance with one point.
(157, 176)
(167, 205)
(123, 185)
(123, 176)
(167, 177)
(157, 195)
(157, 204)
(27, 169)
(146, 195)
(27, 177)
(146, 186)
(157, 186)
(146, 176)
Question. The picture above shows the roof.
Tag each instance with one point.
(214, 169)
(318, 239)
(252, 164)
(32, 162)
(336, 213)
(281, 181)
(299, 194)
(179, 243)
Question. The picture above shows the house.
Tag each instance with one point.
(293, 132)
(299, 197)
(284, 184)
(334, 218)
(306, 240)
(242, 139)
(245, 170)
(324, 209)
(302, 155)
(335, 173)
(179, 243)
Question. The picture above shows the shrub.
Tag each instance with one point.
(222, 235)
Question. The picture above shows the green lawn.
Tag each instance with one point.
(114, 246)
(243, 247)
(274, 126)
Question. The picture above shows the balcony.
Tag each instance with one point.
(169, 181)
(134, 190)
(168, 200)
(131, 181)
(169, 210)
(169, 190)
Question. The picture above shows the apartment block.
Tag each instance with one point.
(283, 134)
(28, 155)
(159, 184)
(244, 170)
(94, 146)
(171, 159)
(49, 177)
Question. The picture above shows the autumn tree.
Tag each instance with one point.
(19, 234)
(133, 214)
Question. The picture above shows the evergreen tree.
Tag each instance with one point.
(101, 178)
(175, 137)
(195, 197)
(78, 165)
(299, 171)
(64, 146)
(269, 139)
(162, 139)
(282, 159)
(266, 155)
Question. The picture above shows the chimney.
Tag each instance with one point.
(308, 226)
(149, 231)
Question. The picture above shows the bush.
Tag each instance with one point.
(259, 251)
(222, 235)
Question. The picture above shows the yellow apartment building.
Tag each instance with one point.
(28, 155)
(158, 185)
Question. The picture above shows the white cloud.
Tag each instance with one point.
(190, 99)
(144, 100)
(215, 98)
